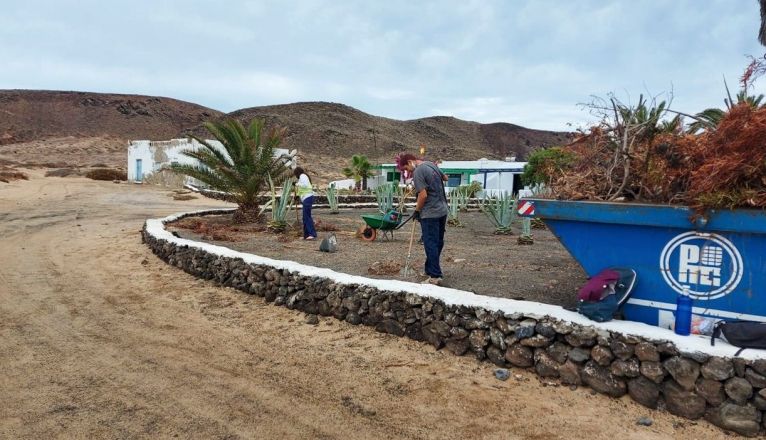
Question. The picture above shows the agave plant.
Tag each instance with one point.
(385, 197)
(454, 208)
(280, 207)
(462, 193)
(501, 211)
(332, 198)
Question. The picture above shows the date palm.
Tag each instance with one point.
(241, 166)
(359, 170)
(762, 31)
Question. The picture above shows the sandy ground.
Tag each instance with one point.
(100, 339)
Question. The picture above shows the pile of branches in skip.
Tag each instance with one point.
(636, 153)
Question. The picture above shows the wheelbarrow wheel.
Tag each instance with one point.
(369, 234)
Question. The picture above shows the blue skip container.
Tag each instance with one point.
(721, 260)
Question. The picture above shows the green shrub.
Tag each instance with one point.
(543, 165)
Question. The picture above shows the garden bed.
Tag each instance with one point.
(474, 259)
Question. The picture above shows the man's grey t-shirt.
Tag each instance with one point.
(428, 176)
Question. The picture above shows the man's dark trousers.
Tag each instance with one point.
(433, 242)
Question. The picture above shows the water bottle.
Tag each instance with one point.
(683, 313)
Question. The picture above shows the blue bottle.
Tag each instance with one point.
(684, 313)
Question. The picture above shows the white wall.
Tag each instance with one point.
(497, 183)
(343, 184)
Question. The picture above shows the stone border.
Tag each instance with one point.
(657, 368)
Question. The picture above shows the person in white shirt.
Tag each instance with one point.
(306, 194)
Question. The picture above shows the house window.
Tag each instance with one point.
(393, 176)
(454, 180)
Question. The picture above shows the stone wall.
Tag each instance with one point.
(730, 393)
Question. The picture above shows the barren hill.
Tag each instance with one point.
(75, 129)
(29, 115)
(325, 129)
(56, 128)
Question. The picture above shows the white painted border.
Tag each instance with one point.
(692, 343)
(698, 310)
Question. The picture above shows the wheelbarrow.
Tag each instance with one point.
(386, 223)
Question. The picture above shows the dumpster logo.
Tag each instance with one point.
(708, 264)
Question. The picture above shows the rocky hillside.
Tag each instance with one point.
(85, 129)
(31, 115)
(327, 129)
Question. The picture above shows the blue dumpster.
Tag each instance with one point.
(721, 259)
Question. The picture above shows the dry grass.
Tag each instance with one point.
(62, 172)
(106, 174)
(8, 174)
(219, 230)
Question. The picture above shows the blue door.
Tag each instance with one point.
(139, 175)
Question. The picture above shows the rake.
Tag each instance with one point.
(408, 270)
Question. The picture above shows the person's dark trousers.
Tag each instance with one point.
(433, 242)
(308, 222)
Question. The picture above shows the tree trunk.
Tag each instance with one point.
(249, 213)
(364, 183)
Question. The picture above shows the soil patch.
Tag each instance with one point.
(474, 258)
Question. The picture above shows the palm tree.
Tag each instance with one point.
(242, 167)
(359, 170)
(762, 31)
(709, 119)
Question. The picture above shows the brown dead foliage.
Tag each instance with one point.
(719, 169)
(321, 226)
(7, 175)
(210, 230)
(385, 267)
(106, 174)
(732, 162)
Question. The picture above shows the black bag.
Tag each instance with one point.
(743, 334)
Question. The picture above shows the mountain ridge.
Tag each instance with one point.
(325, 133)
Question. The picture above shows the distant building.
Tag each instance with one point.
(495, 176)
(148, 157)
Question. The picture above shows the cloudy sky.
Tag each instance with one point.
(525, 62)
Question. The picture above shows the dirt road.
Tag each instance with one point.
(100, 339)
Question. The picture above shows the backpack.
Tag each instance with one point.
(743, 334)
(604, 293)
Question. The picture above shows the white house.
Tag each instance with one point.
(146, 157)
(495, 176)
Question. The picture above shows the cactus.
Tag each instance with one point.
(385, 197)
(332, 199)
(454, 208)
(526, 231)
